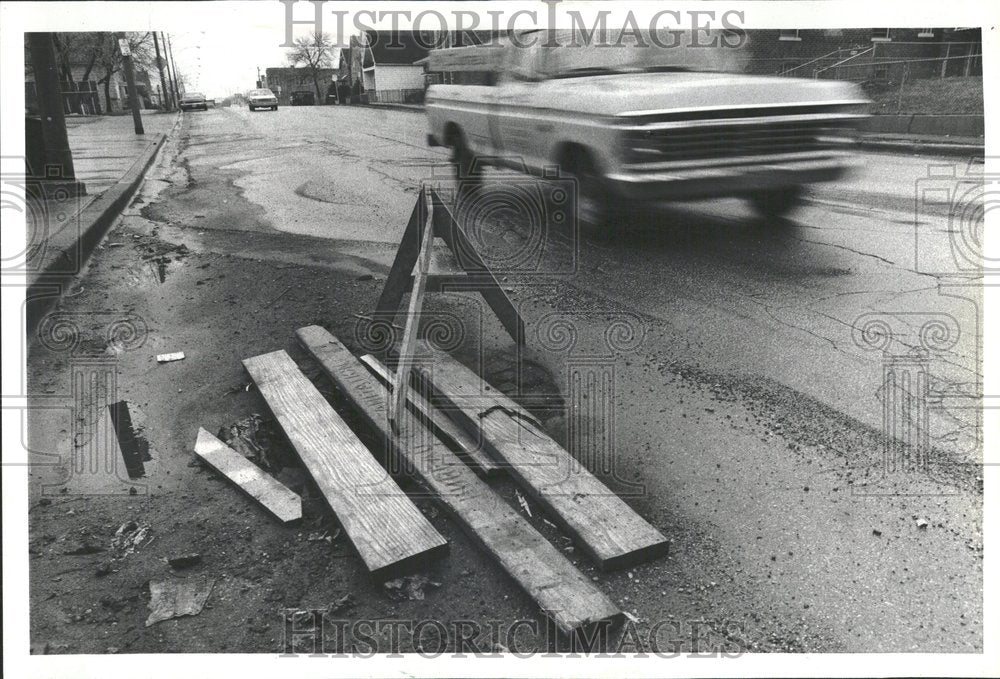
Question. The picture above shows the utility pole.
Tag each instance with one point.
(163, 81)
(259, 82)
(133, 91)
(172, 80)
(173, 66)
(56, 155)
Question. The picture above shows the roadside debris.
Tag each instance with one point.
(253, 438)
(184, 560)
(922, 524)
(409, 587)
(167, 358)
(524, 503)
(342, 604)
(317, 536)
(238, 388)
(129, 537)
(177, 598)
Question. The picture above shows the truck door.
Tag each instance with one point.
(515, 119)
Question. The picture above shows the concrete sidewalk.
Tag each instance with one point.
(111, 160)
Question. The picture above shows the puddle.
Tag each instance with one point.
(134, 446)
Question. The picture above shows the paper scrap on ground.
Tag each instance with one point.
(175, 598)
(167, 358)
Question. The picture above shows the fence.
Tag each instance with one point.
(411, 96)
(86, 99)
(891, 62)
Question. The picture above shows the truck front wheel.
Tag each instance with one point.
(595, 205)
(467, 175)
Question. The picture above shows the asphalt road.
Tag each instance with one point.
(733, 390)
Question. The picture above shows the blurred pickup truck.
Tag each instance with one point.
(642, 125)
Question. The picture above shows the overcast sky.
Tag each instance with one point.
(223, 57)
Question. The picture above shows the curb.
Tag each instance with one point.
(95, 220)
(412, 108)
(922, 147)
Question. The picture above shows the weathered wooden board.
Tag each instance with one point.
(388, 531)
(562, 592)
(610, 531)
(251, 479)
(443, 426)
(411, 326)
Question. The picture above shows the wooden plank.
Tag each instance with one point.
(388, 531)
(398, 280)
(411, 327)
(562, 592)
(448, 228)
(454, 435)
(610, 531)
(285, 505)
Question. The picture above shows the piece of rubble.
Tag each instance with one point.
(342, 604)
(922, 523)
(409, 587)
(176, 598)
(129, 536)
(524, 503)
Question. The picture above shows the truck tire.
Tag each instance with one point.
(595, 205)
(467, 175)
(776, 203)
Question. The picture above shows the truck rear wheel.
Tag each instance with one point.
(467, 175)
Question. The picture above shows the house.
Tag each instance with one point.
(382, 65)
(91, 94)
(286, 81)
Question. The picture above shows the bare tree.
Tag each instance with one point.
(314, 52)
(109, 56)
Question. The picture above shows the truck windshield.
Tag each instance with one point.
(570, 56)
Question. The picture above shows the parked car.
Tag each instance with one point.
(644, 126)
(263, 98)
(193, 100)
(303, 98)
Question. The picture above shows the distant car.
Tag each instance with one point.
(263, 99)
(303, 98)
(193, 100)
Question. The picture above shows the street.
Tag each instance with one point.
(734, 393)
